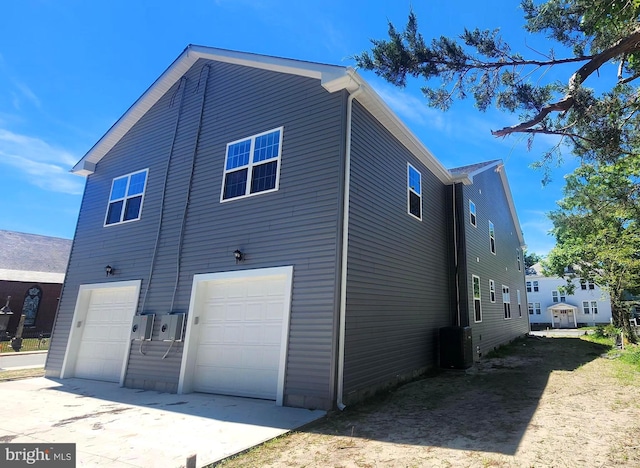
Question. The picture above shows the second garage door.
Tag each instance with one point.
(240, 336)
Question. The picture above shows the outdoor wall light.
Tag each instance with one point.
(109, 270)
(239, 255)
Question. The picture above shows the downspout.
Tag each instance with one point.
(345, 247)
(455, 254)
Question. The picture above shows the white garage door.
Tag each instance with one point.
(240, 337)
(105, 335)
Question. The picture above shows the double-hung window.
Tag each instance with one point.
(492, 238)
(252, 165)
(594, 307)
(414, 192)
(528, 286)
(536, 287)
(506, 301)
(492, 290)
(585, 307)
(125, 199)
(530, 307)
(519, 303)
(472, 213)
(537, 308)
(477, 306)
(518, 262)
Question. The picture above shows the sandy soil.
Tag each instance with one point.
(550, 402)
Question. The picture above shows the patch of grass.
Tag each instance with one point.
(6, 376)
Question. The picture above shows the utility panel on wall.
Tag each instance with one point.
(142, 327)
(171, 327)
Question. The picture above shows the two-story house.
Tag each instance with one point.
(269, 228)
(549, 306)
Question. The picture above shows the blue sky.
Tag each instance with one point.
(70, 68)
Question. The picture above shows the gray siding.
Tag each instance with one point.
(297, 225)
(398, 276)
(487, 192)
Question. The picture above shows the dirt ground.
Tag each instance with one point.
(548, 402)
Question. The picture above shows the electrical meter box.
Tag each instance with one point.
(142, 327)
(171, 327)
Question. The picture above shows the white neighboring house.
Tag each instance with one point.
(548, 307)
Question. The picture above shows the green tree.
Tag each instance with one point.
(597, 228)
(531, 259)
(592, 33)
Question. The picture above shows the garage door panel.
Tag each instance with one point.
(238, 351)
(105, 334)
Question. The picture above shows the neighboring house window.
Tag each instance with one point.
(492, 238)
(556, 297)
(414, 192)
(530, 307)
(519, 303)
(535, 286)
(528, 286)
(477, 306)
(537, 307)
(518, 262)
(125, 200)
(585, 307)
(586, 284)
(30, 306)
(506, 301)
(492, 290)
(472, 213)
(594, 307)
(252, 165)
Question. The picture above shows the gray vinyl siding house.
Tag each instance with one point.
(298, 229)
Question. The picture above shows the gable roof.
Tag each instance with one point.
(465, 174)
(30, 257)
(333, 78)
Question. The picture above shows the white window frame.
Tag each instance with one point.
(473, 217)
(251, 165)
(519, 303)
(594, 307)
(518, 261)
(475, 280)
(492, 238)
(530, 307)
(538, 308)
(492, 291)
(411, 190)
(506, 302)
(536, 286)
(585, 307)
(555, 297)
(126, 198)
(528, 286)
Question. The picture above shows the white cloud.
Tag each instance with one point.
(412, 108)
(26, 92)
(43, 165)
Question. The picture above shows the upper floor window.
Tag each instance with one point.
(506, 301)
(519, 303)
(536, 287)
(586, 284)
(252, 165)
(585, 307)
(518, 261)
(472, 213)
(125, 200)
(477, 306)
(528, 286)
(492, 290)
(558, 297)
(414, 192)
(530, 307)
(492, 238)
(537, 307)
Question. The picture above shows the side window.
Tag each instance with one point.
(538, 308)
(518, 262)
(594, 307)
(125, 199)
(528, 286)
(472, 213)
(414, 192)
(585, 307)
(477, 306)
(554, 296)
(536, 288)
(492, 238)
(492, 290)
(506, 301)
(252, 165)
(519, 303)
(530, 307)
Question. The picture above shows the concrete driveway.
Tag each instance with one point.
(122, 427)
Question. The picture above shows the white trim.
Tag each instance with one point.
(473, 221)
(126, 197)
(187, 367)
(31, 276)
(479, 298)
(492, 289)
(251, 164)
(80, 315)
(410, 190)
(492, 236)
